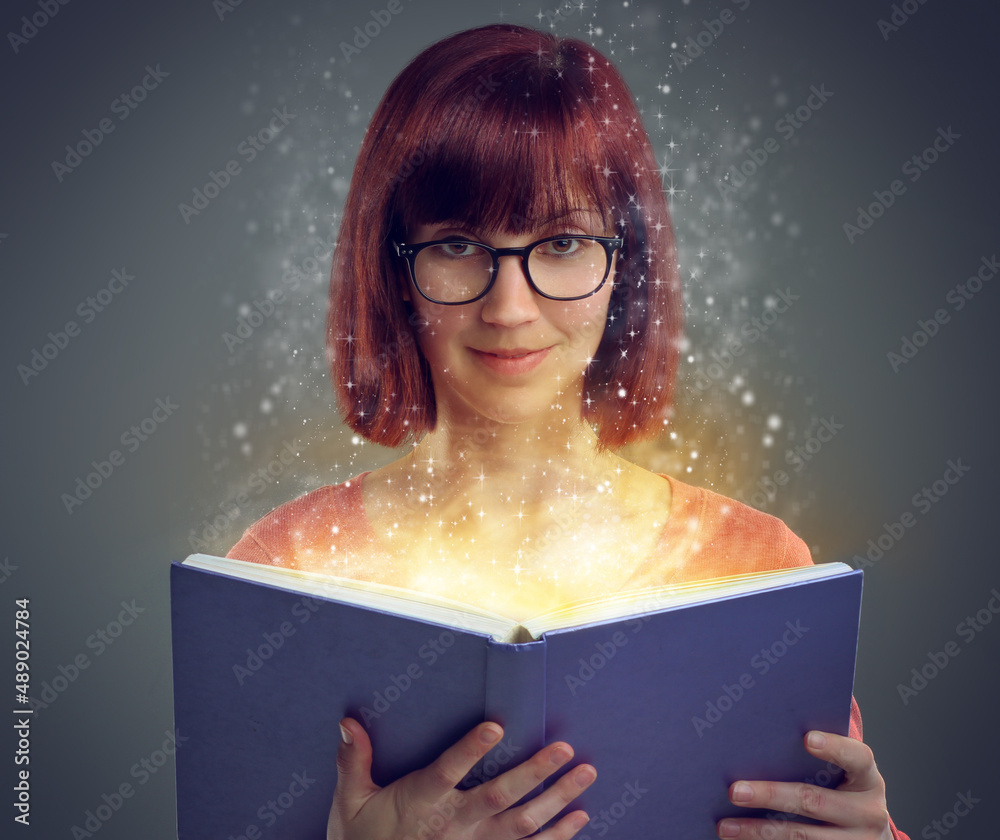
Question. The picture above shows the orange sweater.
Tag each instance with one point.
(706, 535)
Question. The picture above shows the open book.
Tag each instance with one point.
(672, 693)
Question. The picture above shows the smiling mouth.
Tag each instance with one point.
(509, 354)
(511, 362)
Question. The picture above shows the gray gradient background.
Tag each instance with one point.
(163, 336)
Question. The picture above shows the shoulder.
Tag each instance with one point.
(729, 537)
(317, 520)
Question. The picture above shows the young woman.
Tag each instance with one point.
(505, 295)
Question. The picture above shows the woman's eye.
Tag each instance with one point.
(563, 246)
(457, 249)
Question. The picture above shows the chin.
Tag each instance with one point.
(514, 412)
(508, 406)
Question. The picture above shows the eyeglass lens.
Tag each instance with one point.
(457, 271)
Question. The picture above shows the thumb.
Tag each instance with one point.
(354, 767)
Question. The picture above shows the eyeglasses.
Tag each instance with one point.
(456, 271)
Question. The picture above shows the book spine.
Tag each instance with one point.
(514, 698)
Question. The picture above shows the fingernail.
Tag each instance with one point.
(560, 755)
(816, 740)
(742, 792)
(584, 776)
(489, 734)
(579, 821)
(728, 828)
(346, 735)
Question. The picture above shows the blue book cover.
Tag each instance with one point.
(670, 704)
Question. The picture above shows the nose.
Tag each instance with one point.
(511, 301)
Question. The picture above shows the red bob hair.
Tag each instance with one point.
(498, 127)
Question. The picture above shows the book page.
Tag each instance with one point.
(380, 596)
(421, 606)
(638, 601)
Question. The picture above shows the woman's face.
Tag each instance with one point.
(512, 356)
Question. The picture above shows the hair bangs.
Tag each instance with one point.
(511, 159)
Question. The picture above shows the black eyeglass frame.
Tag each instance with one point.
(409, 253)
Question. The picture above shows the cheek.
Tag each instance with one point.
(427, 317)
(434, 328)
(590, 319)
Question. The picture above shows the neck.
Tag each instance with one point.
(516, 463)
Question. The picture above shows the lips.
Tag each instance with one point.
(510, 362)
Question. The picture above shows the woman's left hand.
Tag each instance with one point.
(856, 809)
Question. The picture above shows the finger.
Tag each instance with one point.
(792, 798)
(859, 802)
(526, 819)
(777, 828)
(443, 774)
(506, 790)
(354, 768)
(567, 827)
(853, 756)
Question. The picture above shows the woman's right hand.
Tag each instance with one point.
(426, 804)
